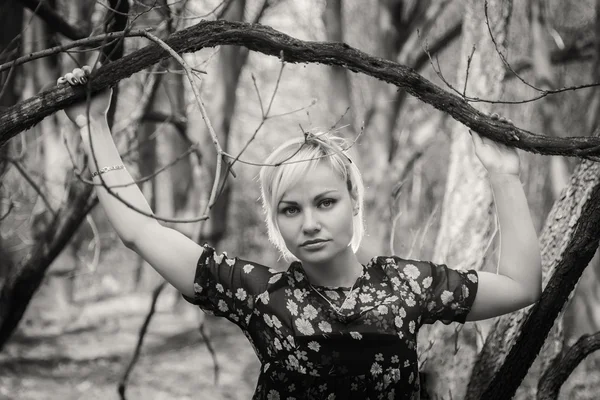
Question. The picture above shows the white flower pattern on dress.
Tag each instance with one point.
(308, 349)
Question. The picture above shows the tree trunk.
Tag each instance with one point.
(582, 314)
(50, 239)
(51, 306)
(340, 98)
(467, 225)
(11, 22)
(221, 108)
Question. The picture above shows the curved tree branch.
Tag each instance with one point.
(268, 41)
(561, 368)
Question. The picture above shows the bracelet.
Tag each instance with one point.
(106, 169)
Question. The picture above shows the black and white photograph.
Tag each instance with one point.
(299, 200)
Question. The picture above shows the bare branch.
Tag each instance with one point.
(179, 122)
(107, 37)
(144, 328)
(33, 184)
(271, 42)
(11, 205)
(211, 350)
(563, 365)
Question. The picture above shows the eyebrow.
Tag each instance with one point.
(317, 197)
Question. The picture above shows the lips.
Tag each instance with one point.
(313, 241)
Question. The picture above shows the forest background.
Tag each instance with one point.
(74, 301)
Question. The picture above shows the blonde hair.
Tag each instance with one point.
(297, 158)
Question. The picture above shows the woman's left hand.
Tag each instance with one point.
(496, 157)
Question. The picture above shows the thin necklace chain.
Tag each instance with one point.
(335, 308)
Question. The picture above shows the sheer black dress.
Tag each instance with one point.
(309, 348)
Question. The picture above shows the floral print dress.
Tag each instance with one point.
(307, 349)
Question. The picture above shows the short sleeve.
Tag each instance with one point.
(448, 293)
(445, 294)
(227, 287)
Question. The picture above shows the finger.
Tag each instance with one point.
(79, 75)
(494, 116)
(87, 70)
(61, 81)
(71, 78)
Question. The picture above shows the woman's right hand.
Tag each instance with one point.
(99, 103)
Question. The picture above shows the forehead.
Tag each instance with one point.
(321, 178)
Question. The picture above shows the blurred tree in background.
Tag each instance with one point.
(427, 195)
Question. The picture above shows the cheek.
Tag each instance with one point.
(286, 227)
(343, 220)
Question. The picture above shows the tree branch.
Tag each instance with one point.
(54, 20)
(271, 42)
(179, 122)
(562, 367)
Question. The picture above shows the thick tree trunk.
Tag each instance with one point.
(468, 217)
(582, 314)
(11, 22)
(52, 303)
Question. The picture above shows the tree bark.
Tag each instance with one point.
(562, 367)
(467, 223)
(18, 290)
(11, 23)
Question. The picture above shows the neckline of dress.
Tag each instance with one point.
(357, 283)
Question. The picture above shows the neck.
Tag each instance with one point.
(342, 270)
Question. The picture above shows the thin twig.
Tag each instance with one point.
(11, 205)
(34, 185)
(262, 109)
(203, 112)
(504, 61)
(543, 93)
(469, 59)
(211, 350)
(70, 45)
(144, 328)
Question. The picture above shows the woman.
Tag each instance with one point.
(328, 327)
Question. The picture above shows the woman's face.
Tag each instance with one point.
(315, 216)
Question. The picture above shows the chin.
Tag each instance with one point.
(318, 257)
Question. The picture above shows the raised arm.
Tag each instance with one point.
(519, 280)
(172, 254)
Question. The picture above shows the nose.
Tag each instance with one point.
(310, 223)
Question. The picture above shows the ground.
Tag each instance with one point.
(89, 363)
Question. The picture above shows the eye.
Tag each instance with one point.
(327, 203)
(289, 211)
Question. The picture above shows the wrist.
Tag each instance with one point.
(83, 121)
(95, 125)
(500, 177)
